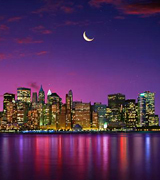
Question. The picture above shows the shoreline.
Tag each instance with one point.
(60, 132)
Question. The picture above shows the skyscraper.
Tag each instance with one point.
(24, 94)
(69, 103)
(116, 103)
(146, 104)
(34, 97)
(62, 118)
(54, 98)
(100, 109)
(131, 113)
(22, 112)
(8, 98)
(41, 96)
(82, 115)
(9, 108)
(116, 100)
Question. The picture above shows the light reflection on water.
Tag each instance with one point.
(80, 156)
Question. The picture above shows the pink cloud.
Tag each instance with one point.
(67, 10)
(3, 27)
(51, 6)
(99, 3)
(2, 56)
(14, 19)
(140, 8)
(41, 29)
(28, 40)
(119, 17)
(41, 53)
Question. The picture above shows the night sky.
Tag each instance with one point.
(41, 43)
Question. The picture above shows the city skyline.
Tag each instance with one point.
(46, 111)
(42, 42)
(63, 97)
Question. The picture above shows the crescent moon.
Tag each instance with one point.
(86, 38)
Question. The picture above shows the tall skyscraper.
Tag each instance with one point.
(24, 94)
(95, 122)
(34, 97)
(62, 118)
(116, 103)
(33, 119)
(8, 98)
(116, 100)
(69, 104)
(100, 109)
(146, 104)
(9, 108)
(70, 94)
(54, 98)
(22, 112)
(41, 96)
(131, 113)
(82, 115)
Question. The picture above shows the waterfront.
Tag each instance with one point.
(80, 156)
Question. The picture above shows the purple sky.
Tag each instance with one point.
(41, 43)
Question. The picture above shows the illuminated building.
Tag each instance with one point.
(7, 97)
(69, 98)
(100, 109)
(82, 115)
(146, 104)
(130, 113)
(47, 114)
(41, 96)
(49, 92)
(53, 99)
(22, 112)
(1, 119)
(62, 118)
(24, 95)
(95, 124)
(9, 108)
(55, 116)
(116, 100)
(34, 97)
(39, 108)
(116, 103)
(33, 119)
(11, 113)
(70, 94)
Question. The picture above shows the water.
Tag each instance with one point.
(80, 156)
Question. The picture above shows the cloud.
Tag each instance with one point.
(67, 9)
(2, 56)
(145, 9)
(3, 27)
(15, 19)
(99, 3)
(135, 7)
(76, 23)
(41, 29)
(119, 17)
(51, 6)
(33, 85)
(28, 40)
(41, 53)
